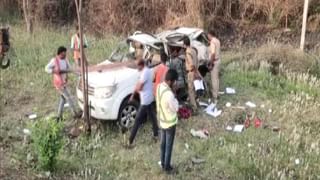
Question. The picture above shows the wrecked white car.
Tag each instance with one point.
(112, 82)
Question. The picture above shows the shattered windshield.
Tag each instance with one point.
(122, 53)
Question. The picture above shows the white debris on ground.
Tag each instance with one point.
(238, 128)
(212, 110)
(251, 104)
(66, 105)
(199, 133)
(229, 128)
(26, 131)
(230, 90)
(228, 104)
(32, 116)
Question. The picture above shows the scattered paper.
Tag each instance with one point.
(251, 104)
(230, 90)
(238, 128)
(26, 131)
(229, 128)
(198, 85)
(250, 145)
(297, 161)
(262, 106)
(203, 104)
(228, 104)
(215, 113)
(32, 116)
(210, 107)
(66, 105)
(270, 110)
(221, 93)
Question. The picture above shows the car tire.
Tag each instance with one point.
(127, 113)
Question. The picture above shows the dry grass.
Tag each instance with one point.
(123, 16)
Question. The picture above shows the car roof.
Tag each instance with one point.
(188, 31)
(144, 38)
(174, 36)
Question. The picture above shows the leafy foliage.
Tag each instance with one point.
(47, 141)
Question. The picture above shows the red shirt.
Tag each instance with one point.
(159, 76)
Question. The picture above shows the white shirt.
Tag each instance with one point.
(63, 63)
(146, 94)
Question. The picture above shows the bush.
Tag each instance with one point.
(47, 140)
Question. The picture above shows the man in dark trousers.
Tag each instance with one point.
(144, 88)
(167, 108)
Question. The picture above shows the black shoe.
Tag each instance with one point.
(170, 170)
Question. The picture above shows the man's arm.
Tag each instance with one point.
(50, 67)
(138, 88)
(139, 85)
(173, 104)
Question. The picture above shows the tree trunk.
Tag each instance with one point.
(27, 16)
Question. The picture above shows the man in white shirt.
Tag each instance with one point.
(59, 67)
(167, 108)
(144, 87)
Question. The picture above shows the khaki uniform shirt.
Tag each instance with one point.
(191, 59)
(215, 48)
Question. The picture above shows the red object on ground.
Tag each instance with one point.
(184, 112)
(257, 122)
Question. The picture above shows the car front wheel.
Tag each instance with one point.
(127, 114)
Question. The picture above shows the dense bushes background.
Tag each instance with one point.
(123, 16)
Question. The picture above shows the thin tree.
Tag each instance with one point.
(304, 24)
(84, 68)
(28, 17)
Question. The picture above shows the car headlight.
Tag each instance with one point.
(105, 92)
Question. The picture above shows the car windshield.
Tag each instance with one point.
(122, 53)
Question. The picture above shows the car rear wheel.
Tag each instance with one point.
(128, 112)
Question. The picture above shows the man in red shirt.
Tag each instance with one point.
(160, 71)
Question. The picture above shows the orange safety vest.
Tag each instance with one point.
(58, 81)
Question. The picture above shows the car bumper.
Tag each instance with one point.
(103, 109)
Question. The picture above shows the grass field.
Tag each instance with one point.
(257, 153)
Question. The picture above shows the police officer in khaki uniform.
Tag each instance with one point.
(192, 72)
(214, 66)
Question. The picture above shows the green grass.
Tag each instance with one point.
(25, 88)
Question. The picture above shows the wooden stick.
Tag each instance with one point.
(304, 24)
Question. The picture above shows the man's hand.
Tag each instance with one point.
(131, 98)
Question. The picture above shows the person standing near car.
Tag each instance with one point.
(75, 46)
(144, 88)
(160, 71)
(167, 108)
(59, 67)
(214, 64)
(192, 72)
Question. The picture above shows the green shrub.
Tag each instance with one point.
(47, 141)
